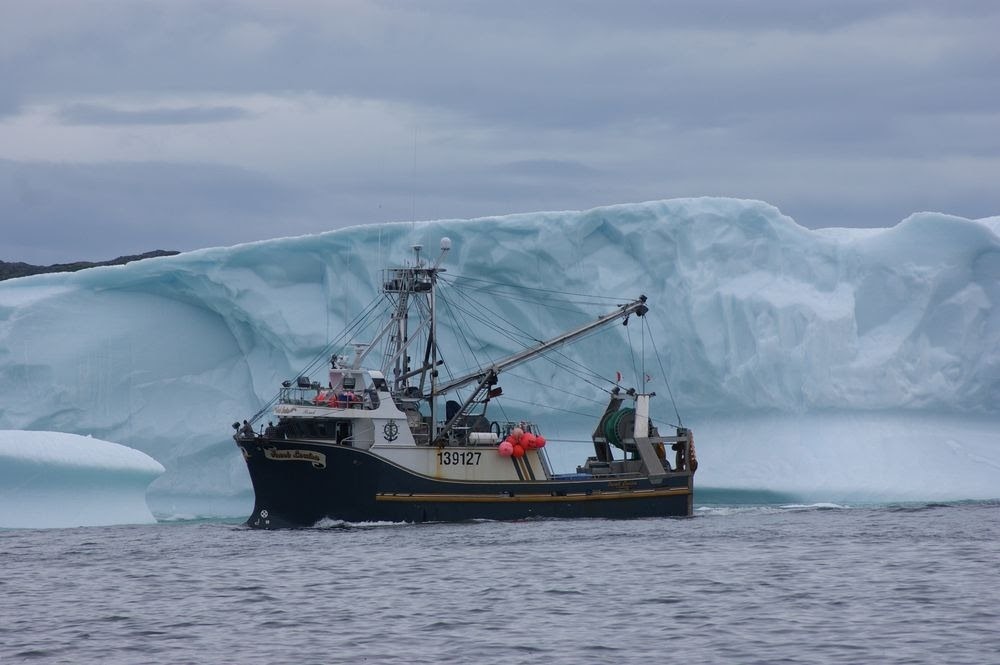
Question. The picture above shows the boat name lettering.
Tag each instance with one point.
(318, 460)
(453, 457)
(622, 484)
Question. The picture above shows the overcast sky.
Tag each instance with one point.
(127, 126)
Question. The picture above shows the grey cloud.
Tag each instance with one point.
(568, 106)
(534, 65)
(537, 67)
(9, 104)
(796, 15)
(95, 114)
(56, 212)
(546, 167)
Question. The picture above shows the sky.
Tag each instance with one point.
(133, 125)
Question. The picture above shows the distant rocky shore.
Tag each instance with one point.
(18, 269)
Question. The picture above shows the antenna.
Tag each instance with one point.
(445, 247)
(413, 180)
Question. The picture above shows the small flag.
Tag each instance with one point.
(618, 377)
(648, 378)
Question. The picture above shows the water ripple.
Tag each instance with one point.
(793, 584)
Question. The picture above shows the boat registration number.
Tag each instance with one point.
(451, 457)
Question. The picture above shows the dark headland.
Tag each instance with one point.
(18, 269)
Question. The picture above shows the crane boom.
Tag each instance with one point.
(637, 307)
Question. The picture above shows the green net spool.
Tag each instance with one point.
(616, 426)
(619, 426)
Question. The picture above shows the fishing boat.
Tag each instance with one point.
(373, 444)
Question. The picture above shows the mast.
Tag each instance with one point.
(415, 287)
(432, 346)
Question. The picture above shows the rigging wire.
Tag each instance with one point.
(631, 351)
(640, 377)
(642, 355)
(545, 406)
(464, 338)
(360, 321)
(459, 333)
(455, 277)
(478, 312)
(475, 310)
(460, 337)
(532, 338)
(562, 365)
(460, 329)
(530, 301)
(666, 382)
(483, 316)
(545, 385)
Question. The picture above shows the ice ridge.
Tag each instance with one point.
(751, 313)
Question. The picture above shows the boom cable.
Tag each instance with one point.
(666, 381)
(359, 322)
(577, 368)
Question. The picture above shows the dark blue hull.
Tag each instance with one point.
(357, 486)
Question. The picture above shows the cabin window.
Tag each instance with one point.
(338, 430)
(344, 432)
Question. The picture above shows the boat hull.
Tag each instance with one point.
(299, 483)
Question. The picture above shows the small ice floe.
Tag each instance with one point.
(54, 479)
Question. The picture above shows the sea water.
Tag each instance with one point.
(740, 584)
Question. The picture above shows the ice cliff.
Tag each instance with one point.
(830, 364)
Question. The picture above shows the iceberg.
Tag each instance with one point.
(53, 479)
(829, 365)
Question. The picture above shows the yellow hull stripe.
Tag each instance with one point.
(533, 498)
